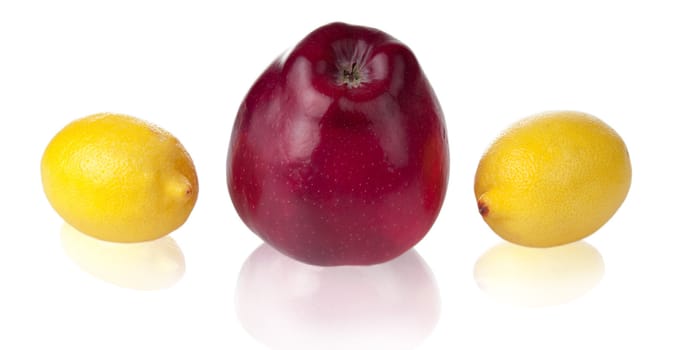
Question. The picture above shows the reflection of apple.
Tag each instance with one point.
(338, 154)
(147, 265)
(290, 305)
(539, 276)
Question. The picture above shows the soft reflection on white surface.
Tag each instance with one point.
(149, 265)
(539, 276)
(286, 304)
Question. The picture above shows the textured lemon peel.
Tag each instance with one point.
(552, 179)
(119, 178)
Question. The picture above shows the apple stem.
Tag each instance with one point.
(351, 76)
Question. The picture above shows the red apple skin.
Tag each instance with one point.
(339, 152)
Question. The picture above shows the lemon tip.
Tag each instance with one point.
(483, 208)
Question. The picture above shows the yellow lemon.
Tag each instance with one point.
(552, 179)
(119, 178)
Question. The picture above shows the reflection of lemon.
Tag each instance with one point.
(119, 178)
(552, 179)
(150, 265)
(539, 277)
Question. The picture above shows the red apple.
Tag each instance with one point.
(338, 154)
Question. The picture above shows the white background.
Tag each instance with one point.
(187, 65)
